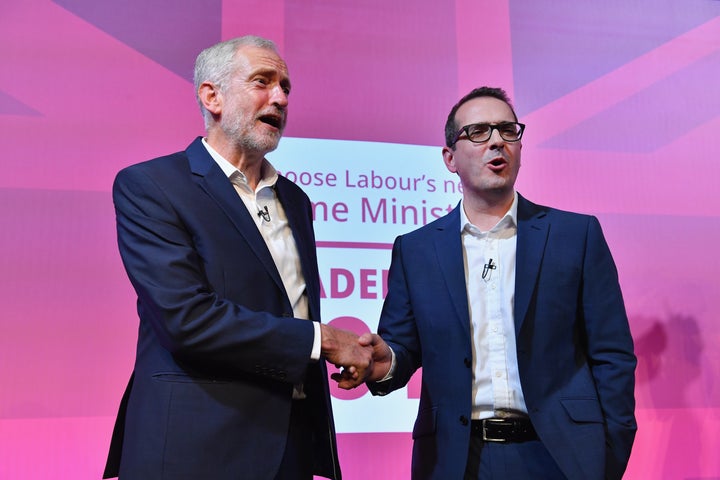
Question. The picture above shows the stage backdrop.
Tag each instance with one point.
(621, 102)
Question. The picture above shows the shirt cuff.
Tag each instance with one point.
(317, 340)
(389, 374)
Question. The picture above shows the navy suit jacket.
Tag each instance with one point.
(574, 349)
(218, 348)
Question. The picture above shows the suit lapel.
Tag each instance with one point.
(448, 247)
(532, 234)
(212, 179)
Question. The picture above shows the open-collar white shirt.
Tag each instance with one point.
(276, 232)
(489, 259)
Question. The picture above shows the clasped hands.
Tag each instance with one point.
(364, 358)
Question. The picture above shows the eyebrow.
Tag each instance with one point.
(271, 73)
(500, 122)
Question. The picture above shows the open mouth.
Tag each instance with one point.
(272, 120)
(497, 162)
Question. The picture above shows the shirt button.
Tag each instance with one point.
(498, 374)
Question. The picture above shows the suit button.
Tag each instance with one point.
(464, 420)
(468, 362)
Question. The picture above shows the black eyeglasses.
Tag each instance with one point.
(481, 132)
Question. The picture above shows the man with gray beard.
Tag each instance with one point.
(229, 379)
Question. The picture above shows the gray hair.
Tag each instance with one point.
(216, 64)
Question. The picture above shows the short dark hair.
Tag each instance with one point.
(451, 128)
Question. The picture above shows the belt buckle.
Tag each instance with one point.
(496, 421)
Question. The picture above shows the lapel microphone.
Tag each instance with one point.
(486, 268)
(263, 212)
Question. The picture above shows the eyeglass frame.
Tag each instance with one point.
(495, 126)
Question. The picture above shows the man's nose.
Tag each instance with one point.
(495, 140)
(278, 96)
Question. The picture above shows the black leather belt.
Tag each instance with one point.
(504, 430)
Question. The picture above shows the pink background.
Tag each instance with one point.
(623, 111)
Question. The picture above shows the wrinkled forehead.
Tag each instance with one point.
(251, 59)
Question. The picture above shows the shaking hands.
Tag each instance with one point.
(362, 358)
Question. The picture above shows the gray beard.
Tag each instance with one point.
(250, 140)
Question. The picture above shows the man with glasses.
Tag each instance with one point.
(514, 312)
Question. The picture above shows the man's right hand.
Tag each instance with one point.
(343, 349)
(379, 367)
(381, 356)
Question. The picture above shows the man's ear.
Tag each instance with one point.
(210, 96)
(449, 159)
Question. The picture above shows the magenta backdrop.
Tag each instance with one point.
(623, 111)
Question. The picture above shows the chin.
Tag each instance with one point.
(261, 143)
(272, 144)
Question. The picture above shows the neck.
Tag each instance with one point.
(486, 212)
(248, 162)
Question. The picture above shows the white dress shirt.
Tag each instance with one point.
(490, 279)
(276, 232)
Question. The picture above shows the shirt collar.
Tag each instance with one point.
(508, 220)
(269, 174)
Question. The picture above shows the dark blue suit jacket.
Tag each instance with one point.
(574, 348)
(218, 349)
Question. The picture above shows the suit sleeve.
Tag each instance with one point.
(176, 300)
(397, 326)
(610, 349)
